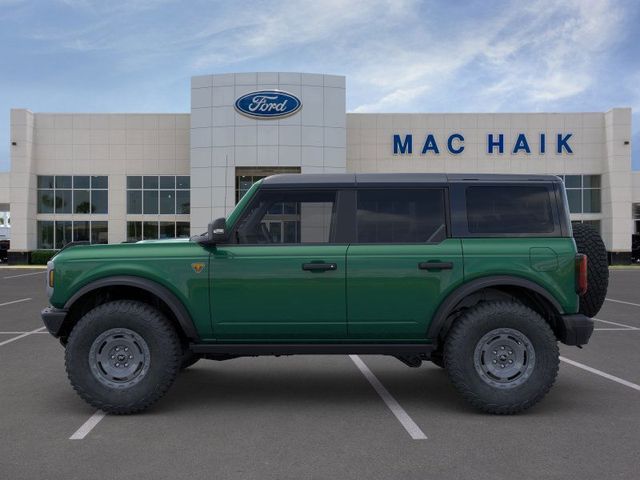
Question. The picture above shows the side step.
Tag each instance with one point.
(256, 349)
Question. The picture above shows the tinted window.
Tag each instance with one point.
(289, 217)
(401, 216)
(509, 209)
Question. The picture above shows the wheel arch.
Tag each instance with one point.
(135, 288)
(535, 296)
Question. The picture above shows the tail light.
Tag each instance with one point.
(581, 274)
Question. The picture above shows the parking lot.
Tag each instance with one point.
(321, 417)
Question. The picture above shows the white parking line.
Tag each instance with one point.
(620, 301)
(15, 301)
(602, 374)
(22, 336)
(403, 417)
(20, 333)
(626, 327)
(24, 274)
(87, 426)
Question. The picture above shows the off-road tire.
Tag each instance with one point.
(589, 242)
(188, 359)
(468, 331)
(164, 356)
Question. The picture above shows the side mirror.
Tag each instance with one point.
(217, 231)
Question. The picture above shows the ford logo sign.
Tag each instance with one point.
(268, 104)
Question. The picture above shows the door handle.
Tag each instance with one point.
(435, 265)
(319, 267)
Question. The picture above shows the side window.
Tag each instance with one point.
(277, 217)
(509, 209)
(401, 216)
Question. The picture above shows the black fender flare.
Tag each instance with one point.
(439, 320)
(175, 305)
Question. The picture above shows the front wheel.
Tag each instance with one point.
(502, 357)
(123, 356)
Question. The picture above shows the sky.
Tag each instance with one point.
(397, 55)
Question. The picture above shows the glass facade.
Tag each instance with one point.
(158, 194)
(67, 194)
(156, 230)
(583, 193)
(55, 234)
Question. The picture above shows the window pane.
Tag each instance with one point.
(134, 201)
(134, 182)
(573, 181)
(183, 182)
(575, 201)
(63, 181)
(134, 231)
(591, 201)
(45, 201)
(150, 183)
(311, 222)
(45, 181)
(99, 201)
(99, 232)
(167, 229)
(401, 216)
(183, 201)
(81, 231)
(63, 201)
(100, 182)
(150, 230)
(64, 233)
(81, 202)
(45, 234)
(167, 201)
(167, 182)
(81, 182)
(182, 229)
(509, 209)
(150, 204)
(591, 181)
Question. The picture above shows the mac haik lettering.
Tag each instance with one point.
(268, 104)
(495, 143)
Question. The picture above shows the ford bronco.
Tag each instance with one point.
(481, 274)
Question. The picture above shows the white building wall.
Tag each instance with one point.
(313, 139)
(597, 142)
(115, 145)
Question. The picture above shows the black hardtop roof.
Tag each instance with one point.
(387, 179)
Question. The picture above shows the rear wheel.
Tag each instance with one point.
(123, 356)
(589, 242)
(502, 357)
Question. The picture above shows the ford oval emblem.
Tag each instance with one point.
(268, 104)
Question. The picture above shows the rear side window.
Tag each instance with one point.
(401, 216)
(509, 209)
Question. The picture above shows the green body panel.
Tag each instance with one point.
(549, 262)
(166, 263)
(389, 297)
(262, 293)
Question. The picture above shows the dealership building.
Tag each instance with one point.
(111, 178)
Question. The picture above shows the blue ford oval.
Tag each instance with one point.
(268, 104)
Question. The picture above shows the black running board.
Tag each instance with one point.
(256, 349)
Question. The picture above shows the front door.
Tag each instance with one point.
(402, 263)
(284, 276)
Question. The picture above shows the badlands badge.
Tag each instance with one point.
(197, 267)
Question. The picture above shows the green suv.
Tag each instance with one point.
(480, 274)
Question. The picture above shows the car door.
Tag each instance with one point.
(402, 263)
(284, 277)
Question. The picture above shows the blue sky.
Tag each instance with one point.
(404, 55)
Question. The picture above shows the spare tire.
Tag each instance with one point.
(589, 242)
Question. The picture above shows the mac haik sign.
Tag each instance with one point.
(558, 143)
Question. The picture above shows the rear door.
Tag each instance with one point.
(402, 263)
